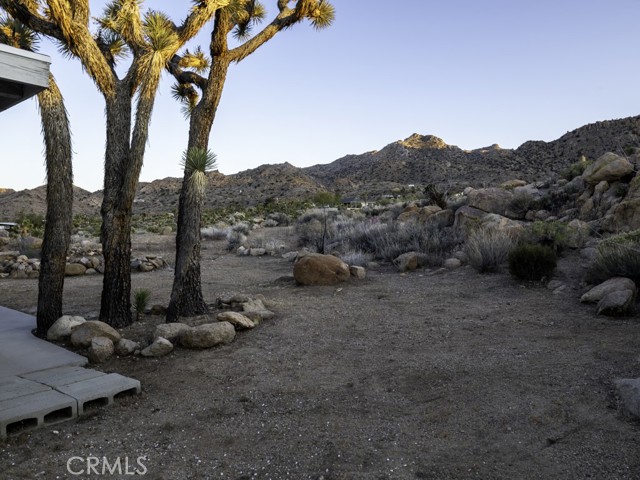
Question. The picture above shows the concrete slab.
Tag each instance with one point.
(99, 390)
(42, 383)
(22, 352)
(14, 387)
(59, 376)
(36, 410)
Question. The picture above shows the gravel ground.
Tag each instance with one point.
(397, 376)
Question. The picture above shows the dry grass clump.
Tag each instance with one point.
(487, 249)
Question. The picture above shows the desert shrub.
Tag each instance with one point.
(235, 239)
(241, 227)
(553, 234)
(521, 203)
(618, 256)
(281, 219)
(356, 257)
(141, 298)
(436, 196)
(30, 225)
(575, 169)
(532, 262)
(269, 223)
(214, 233)
(487, 249)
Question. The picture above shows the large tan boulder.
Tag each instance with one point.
(491, 200)
(82, 335)
(208, 335)
(609, 167)
(616, 284)
(318, 269)
(74, 269)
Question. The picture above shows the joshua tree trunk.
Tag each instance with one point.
(186, 294)
(124, 156)
(59, 218)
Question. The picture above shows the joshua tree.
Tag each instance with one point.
(201, 96)
(197, 162)
(151, 40)
(59, 218)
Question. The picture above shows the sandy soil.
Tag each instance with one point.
(398, 376)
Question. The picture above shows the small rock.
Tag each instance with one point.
(159, 347)
(407, 261)
(239, 321)
(126, 347)
(257, 252)
(629, 393)
(74, 269)
(100, 350)
(63, 327)
(357, 272)
(452, 263)
(290, 256)
(170, 331)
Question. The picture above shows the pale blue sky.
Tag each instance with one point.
(473, 72)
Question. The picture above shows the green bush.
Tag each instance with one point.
(532, 262)
(487, 249)
(618, 256)
(576, 169)
(553, 234)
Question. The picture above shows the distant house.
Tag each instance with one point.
(8, 225)
(353, 202)
(22, 75)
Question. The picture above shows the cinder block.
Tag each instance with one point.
(57, 377)
(100, 390)
(36, 410)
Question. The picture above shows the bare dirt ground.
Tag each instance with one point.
(398, 376)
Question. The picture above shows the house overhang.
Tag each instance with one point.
(22, 75)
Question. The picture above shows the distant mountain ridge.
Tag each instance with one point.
(418, 160)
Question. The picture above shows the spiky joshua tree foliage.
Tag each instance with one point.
(200, 79)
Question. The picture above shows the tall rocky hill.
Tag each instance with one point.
(417, 160)
(427, 159)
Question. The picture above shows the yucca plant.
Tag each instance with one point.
(141, 298)
(196, 163)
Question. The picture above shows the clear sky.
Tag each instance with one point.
(473, 72)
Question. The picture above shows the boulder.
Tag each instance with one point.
(159, 347)
(577, 233)
(609, 167)
(239, 321)
(256, 310)
(407, 261)
(318, 269)
(502, 224)
(623, 216)
(628, 390)
(100, 349)
(290, 256)
(358, 272)
(441, 218)
(618, 303)
(170, 331)
(257, 252)
(615, 284)
(126, 347)
(467, 218)
(74, 269)
(62, 327)
(82, 335)
(452, 263)
(511, 184)
(491, 200)
(208, 335)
